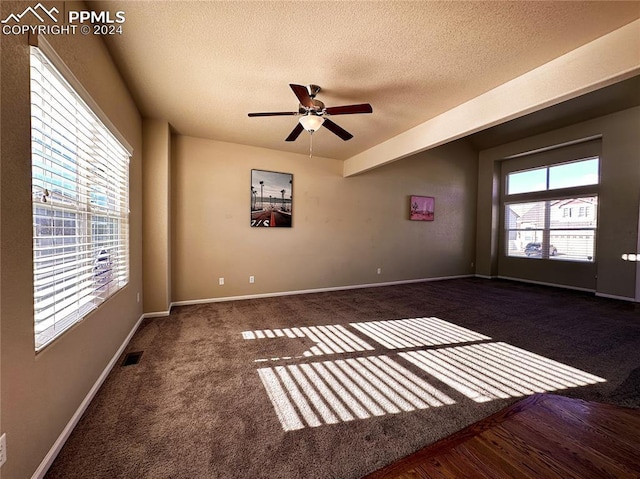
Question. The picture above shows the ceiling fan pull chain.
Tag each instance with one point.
(311, 145)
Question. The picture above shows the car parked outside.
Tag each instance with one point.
(535, 249)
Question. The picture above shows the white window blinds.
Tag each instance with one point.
(80, 196)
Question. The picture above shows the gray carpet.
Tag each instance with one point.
(339, 384)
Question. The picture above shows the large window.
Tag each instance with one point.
(80, 196)
(544, 221)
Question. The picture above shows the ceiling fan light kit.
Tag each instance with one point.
(314, 113)
(311, 122)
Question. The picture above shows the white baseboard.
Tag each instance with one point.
(158, 314)
(66, 432)
(484, 276)
(613, 296)
(542, 283)
(316, 290)
(600, 295)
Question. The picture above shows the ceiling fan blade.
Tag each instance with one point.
(295, 133)
(275, 113)
(338, 130)
(303, 95)
(349, 109)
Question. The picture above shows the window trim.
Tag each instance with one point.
(580, 150)
(549, 155)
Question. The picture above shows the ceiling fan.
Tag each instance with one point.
(313, 114)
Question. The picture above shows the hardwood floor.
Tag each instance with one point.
(542, 436)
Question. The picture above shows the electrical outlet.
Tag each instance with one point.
(379, 270)
(3, 449)
(221, 281)
(138, 297)
(252, 279)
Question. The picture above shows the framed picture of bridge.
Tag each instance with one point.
(271, 199)
(422, 208)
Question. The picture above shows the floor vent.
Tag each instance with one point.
(132, 358)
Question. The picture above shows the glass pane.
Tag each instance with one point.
(525, 216)
(524, 243)
(574, 213)
(577, 173)
(527, 181)
(525, 223)
(572, 245)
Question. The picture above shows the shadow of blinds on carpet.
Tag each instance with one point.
(471, 364)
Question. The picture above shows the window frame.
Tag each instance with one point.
(77, 221)
(581, 151)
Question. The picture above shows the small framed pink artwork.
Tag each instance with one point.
(422, 208)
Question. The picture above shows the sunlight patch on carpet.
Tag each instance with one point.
(328, 339)
(455, 359)
(414, 332)
(488, 371)
(328, 392)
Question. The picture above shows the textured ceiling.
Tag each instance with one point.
(203, 65)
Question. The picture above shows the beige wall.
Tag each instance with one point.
(40, 393)
(156, 235)
(343, 228)
(619, 201)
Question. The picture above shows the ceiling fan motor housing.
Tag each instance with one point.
(317, 109)
(313, 90)
(318, 106)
